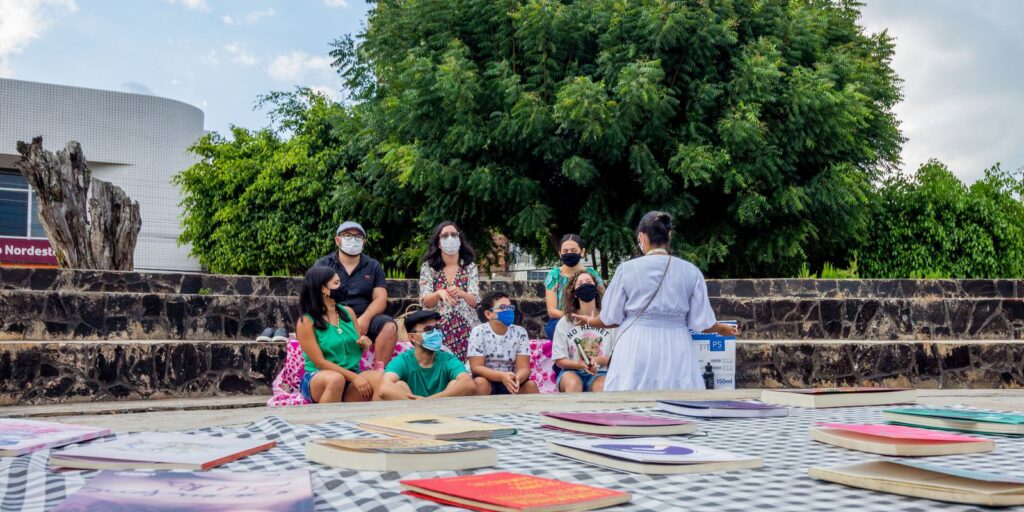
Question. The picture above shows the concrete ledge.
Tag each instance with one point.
(49, 372)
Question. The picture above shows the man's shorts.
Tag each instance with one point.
(377, 325)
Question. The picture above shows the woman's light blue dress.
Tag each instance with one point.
(654, 348)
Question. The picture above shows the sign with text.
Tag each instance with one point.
(24, 251)
(720, 352)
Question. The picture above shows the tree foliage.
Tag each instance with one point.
(932, 224)
(760, 124)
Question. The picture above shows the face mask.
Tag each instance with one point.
(586, 292)
(641, 244)
(571, 259)
(432, 340)
(507, 317)
(450, 246)
(353, 247)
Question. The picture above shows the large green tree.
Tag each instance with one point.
(760, 124)
(931, 224)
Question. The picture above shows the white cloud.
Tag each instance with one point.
(294, 66)
(210, 58)
(336, 3)
(22, 21)
(240, 55)
(195, 5)
(326, 91)
(249, 18)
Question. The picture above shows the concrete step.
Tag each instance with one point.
(50, 372)
(56, 315)
(217, 403)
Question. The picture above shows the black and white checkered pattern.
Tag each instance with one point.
(782, 484)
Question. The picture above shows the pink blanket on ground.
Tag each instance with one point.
(286, 384)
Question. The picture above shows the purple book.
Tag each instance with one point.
(616, 424)
(722, 409)
(186, 491)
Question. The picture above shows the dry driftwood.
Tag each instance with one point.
(97, 232)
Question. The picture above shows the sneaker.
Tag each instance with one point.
(266, 334)
(280, 335)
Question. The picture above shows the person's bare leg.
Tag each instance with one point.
(570, 383)
(528, 388)
(384, 345)
(483, 386)
(327, 387)
(394, 391)
(598, 385)
(376, 380)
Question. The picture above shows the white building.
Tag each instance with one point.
(134, 141)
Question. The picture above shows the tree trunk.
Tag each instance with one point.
(92, 233)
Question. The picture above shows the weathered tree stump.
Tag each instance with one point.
(97, 232)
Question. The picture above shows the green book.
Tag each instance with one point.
(958, 419)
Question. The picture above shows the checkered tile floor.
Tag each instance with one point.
(782, 484)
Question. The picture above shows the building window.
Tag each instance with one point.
(19, 208)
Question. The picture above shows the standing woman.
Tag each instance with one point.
(656, 300)
(571, 252)
(450, 285)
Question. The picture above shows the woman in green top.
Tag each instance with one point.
(571, 251)
(331, 345)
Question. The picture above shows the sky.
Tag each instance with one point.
(961, 61)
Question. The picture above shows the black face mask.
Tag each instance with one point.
(586, 292)
(571, 259)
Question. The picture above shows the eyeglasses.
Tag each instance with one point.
(448, 235)
(427, 328)
(352, 238)
(499, 309)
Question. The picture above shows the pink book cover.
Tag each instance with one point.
(832, 391)
(901, 432)
(18, 437)
(177, 491)
(611, 419)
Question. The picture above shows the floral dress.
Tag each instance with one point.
(459, 319)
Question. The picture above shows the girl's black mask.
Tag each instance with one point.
(586, 292)
(571, 259)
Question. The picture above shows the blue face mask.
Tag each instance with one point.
(507, 317)
(432, 340)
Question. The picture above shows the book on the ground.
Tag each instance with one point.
(927, 481)
(722, 409)
(817, 398)
(653, 456)
(616, 424)
(959, 419)
(158, 450)
(18, 437)
(400, 454)
(174, 491)
(897, 440)
(512, 492)
(443, 428)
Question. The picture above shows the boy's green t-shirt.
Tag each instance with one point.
(426, 381)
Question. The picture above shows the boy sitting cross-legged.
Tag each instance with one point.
(499, 352)
(426, 371)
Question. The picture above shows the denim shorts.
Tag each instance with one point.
(304, 386)
(586, 378)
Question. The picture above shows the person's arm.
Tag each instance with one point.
(722, 329)
(461, 385)
(551, 300)
(472, 293)
(522, 368)
(307, 340)
(428, 297)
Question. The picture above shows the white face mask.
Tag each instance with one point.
(451, 246)
(352, 247)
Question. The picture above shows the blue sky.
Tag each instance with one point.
(961, 60)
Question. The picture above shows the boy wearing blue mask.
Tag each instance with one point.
(499, 352)
(426, 371)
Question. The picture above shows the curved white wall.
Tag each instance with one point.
(135, 141)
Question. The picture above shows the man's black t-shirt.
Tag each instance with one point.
(356, 290)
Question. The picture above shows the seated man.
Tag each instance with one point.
(426, 371)
(363, 288)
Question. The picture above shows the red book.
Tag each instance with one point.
(511, 492)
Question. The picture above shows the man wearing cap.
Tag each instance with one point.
(426, 371)
(363, 288)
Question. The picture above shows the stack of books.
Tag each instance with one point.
(616, 424)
